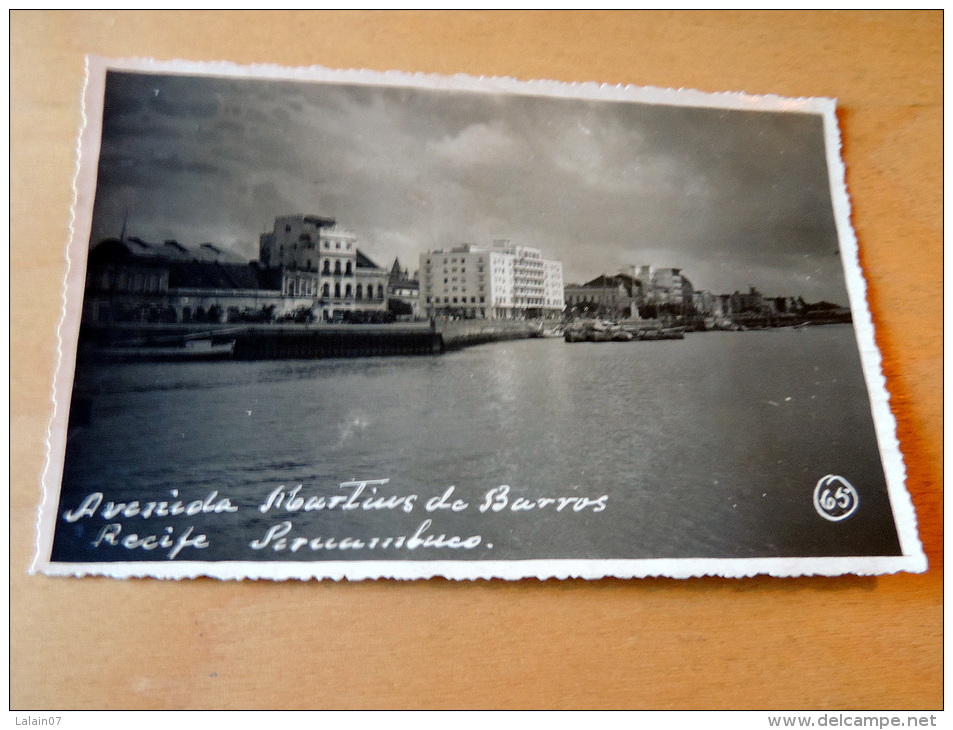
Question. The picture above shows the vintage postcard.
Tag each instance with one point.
(343, 324)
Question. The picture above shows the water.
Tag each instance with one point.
(705, 447)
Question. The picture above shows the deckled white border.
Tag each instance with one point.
(912, 560)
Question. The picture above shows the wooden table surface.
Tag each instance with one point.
(763, 643)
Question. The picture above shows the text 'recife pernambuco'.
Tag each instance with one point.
(184, 539)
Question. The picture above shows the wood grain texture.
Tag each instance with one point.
(811, 643)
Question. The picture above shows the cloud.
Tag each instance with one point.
(599, 185)
(477, 145)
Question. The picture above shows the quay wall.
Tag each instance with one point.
(287, 341)
(303, 341)
(462, 333)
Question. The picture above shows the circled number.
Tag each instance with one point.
(835, 498)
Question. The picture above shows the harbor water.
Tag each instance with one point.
(709, 446)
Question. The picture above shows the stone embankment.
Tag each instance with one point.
(462, 333)
(152, 341)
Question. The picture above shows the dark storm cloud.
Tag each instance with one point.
(736, 198)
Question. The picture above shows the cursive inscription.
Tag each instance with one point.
(362, 495)
(498, 499)
(278, 538)
(112, 534)
(93, 504)
(287, 504)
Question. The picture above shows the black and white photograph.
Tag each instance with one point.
(362, 325)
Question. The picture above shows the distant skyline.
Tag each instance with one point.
(734, 198)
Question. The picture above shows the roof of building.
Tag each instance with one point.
(213, 275)
(206, 266)
(400, 278)
(364, 261)
(170, 250)
(318, 220)
(616, 280)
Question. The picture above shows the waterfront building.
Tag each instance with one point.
(321, 260)
(712, 309)
(403, 292)
(131, 280)
(370, 287)
(751, 303)
(665, 291)
(317, 259)
(724, 303)
(499, 281)
(788, 305)
(611, 297)
(308, 269)
(705, 303)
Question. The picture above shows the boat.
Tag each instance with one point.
(601, 331)
(673, 333)
(192, 350)
(667, 333)
(557, 331)
(574, 333)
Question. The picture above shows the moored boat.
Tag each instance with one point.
(192, 350)
(600, 331)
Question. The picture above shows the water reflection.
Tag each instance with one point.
(709, 446)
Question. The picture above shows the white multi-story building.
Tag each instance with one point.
(662, 286)
(500, 281)
(320, 260)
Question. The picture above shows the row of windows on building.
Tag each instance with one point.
(473, 300)
(535, 272)
(533, 283)
(499, 267)
(454, 300)
(347, 270)
(309, 288)
(454, 281)
(130, 282)
(480, 261)
(307, 243)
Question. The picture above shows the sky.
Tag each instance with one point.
(734, 198)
